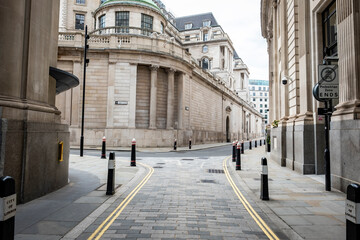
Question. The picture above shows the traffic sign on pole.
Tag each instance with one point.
(328, 82)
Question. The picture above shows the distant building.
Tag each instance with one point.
(152, 76)
(259, 96)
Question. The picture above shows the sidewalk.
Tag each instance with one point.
(159, 149)
(54, 215)
(298, 203)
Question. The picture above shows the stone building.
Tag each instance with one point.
(151, 76)
(259, 96)
(300, 36)
(30, 124)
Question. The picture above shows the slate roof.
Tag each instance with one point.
(196, 20)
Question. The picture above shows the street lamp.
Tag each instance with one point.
(86, 61)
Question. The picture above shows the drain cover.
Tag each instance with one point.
(207, 181)
(215, 171)
(158, 167)
(187, 159)
(161, 163)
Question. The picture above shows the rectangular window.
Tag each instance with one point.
(206, 23)
(205, 36)
(266, 105)
(261, 111)
(265, 94)
(330, 30)
(80, 1)
(253, 94)
(254, 99)
(79, 21)
(187, 38)
(122, 22)
(260, 99)
(146, 24)
(102, 21)
(188, 26)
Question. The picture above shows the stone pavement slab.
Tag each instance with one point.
(299, 201)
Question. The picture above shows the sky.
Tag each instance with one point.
(240, 19)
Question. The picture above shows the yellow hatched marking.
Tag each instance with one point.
(115, 214)
(260, 222)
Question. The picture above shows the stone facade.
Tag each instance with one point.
(147, 83)
(30, 124)
(294, 30)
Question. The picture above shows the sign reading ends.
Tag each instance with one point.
(352, 211)
(7, 207)
(328, 82)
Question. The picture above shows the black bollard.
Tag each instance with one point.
(234, 152)
(175, 145)
(7, 207)
(190, 143)
(242, 147)
(103, 148)
(110, 189)
(133, 153)
(260, 141)
(264, 142)
(250, 147)
(238, 157)
(264, 188)
(255, 143)
(352, 212)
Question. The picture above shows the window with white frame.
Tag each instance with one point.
(205, 49)
(188, 26)
(206, 23)
(146, 24)
(80, 1)
(205, 36)
(79, 21)
(122, 21)
(102, 21)
(205, 63)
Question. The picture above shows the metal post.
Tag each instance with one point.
(238, 156)
(190, 143)
(110, 189)
(7, 207)
(133, 153)
(103, 148)
(264, 188)
(242, 147)
(175, 145)
(234, 152)
(327, 149)
(352, 212)
(83, 100)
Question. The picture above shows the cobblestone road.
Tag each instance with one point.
(185, 198)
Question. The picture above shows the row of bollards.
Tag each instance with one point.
(237, 150)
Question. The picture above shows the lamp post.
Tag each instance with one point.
(86, 61)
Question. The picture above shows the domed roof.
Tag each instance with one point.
(148, 3)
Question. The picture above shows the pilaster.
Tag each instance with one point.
(110, 95)
(170, 99)
(153, 96)
(132, 102)
(180, 100)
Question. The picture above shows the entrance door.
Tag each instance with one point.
(227, 129)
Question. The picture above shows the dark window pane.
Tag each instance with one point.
(146, 24)
(80, 1)
(79, 21)
(122, 21)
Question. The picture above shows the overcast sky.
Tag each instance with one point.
(241, 20)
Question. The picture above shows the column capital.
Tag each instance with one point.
(274, 3)
(154, 67)
(170, 70)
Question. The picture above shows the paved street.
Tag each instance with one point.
(184, 195)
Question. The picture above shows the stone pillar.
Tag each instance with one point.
(63, 16)
(132, 102)
(75, 104)
(181, 100)
(110, 95)
(349, 51)
(153, 96)
(170, 99)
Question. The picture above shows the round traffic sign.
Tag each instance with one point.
(328, 74)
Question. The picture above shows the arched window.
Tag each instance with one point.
(162, 28)
(205, 49)
(205, 63)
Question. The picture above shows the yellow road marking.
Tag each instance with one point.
(260, 222)
(111, 218)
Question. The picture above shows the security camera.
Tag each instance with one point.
(284, 80)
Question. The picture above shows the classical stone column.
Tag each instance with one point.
(132, 102)
(170, 99)
(110, 96)
(180, 100)
(153, 96)
(63, 16)
(349, 51)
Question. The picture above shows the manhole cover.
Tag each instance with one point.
(207, 181)
(161, 163)
(187, 159)
(158, 167)
(215, 171)
(203, 158)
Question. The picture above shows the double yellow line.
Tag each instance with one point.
(115, 214)
(264, 227)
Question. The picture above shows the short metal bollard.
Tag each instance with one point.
(234, 152)
(264, 188)
(175, 145)
(242, 147)
(133, 153)
(238, 156)
(7, 207)
(190, 143)
(260, 141)
(352, 212)
(110, 189)
(255, 143)
(264, 142)
(103, 148)
(250, 147)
